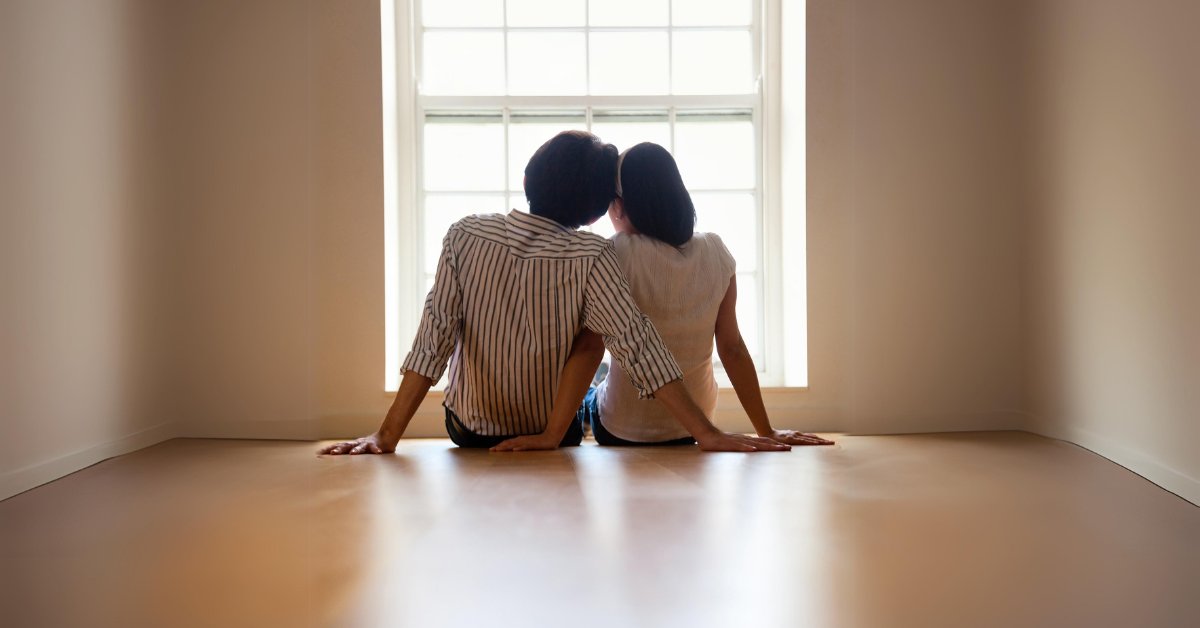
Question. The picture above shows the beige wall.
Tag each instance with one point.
(241, 166)
(276, 174)
(915, 210)
(1115, 364)
(78, 305)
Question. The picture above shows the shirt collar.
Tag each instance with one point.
(540, 223)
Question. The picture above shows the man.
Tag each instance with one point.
(510, 296)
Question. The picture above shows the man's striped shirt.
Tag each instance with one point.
(510, 295)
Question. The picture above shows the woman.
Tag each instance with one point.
(686, 284)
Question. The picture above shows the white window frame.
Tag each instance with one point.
(784, 345)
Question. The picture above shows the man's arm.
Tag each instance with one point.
(412, 391)
(586, 353)
(441, 321)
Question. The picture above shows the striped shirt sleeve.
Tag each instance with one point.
(441, 320)
(609, 310)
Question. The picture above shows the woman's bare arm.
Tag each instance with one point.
(735, 357)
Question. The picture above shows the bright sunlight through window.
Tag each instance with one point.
(491, 80)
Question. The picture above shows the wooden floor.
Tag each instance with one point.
(969, 530)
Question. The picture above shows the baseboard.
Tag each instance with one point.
(32, 476)
(1170, 479)
(299, 429)
(888, 425)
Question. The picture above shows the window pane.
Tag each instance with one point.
(710, 12)
(749, 323)
(527, 133)
(625, 129)
(629, 63)
(733, 217)
(628, 12)
(714, 152)
(545, 12)
(443, 210)
(712, 63)
(465, 155)
(546, 64)
(463, 63)
(462, 12)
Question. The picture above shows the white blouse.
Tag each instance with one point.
(681, 291)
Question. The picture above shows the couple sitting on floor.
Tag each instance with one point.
(523, 306)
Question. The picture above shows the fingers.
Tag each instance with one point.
(737, 442)
(351, 447)
(730, 445)
(812, 439)
(799, 438)
(766, 444)
(518, 443)
(332, 450)
(366, 447)
(526, 443)
(508, 445)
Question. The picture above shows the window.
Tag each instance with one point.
(488, 81)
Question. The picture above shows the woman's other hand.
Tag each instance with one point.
(796, 438)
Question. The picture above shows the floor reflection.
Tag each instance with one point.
(877, 531)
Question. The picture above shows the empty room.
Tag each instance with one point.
(680, 313)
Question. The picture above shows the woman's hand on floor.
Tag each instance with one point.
(797, 438)
(373, 444)
(721, 441)
(532, 442)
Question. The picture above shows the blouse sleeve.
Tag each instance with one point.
(725, 260)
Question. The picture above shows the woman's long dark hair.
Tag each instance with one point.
(655, 199)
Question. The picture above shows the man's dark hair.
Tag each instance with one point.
(654, 197)
(571, 179)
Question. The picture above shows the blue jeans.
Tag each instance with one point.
(589, 413)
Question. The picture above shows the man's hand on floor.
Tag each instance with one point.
(373, 444)
(532, 442)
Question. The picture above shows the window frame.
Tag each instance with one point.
(405, 108)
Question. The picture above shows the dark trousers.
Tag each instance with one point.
(464, 437)
(589, 412)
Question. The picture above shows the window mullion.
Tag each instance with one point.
(587, 52)
(671, 125)
(505, 31)
(506, 118)
(671, 60)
